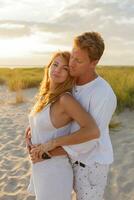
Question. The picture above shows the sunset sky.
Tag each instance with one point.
(30, 30)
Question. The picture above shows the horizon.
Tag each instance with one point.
(41, 66)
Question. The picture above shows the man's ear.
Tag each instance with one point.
(94, 63)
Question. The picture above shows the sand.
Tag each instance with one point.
(14, 160)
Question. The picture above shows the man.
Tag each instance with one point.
(90, 160)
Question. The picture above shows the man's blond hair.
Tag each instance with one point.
(92, 42)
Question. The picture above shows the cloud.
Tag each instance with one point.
(13, 30)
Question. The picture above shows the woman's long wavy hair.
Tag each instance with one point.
(45, 96)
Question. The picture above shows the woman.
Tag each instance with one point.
(49, 119)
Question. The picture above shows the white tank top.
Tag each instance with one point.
(42, 128)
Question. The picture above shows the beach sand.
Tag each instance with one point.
(14, 160)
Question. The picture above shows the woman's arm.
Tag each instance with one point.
(88, 128)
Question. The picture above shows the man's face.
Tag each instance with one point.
(79, 63)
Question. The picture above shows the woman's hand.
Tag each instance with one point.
(48, 146)
(37, 150)
(35, 154)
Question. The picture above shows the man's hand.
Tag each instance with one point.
(28, 133)
(28, 136)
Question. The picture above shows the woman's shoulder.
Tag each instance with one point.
(66, 96)
(67, 100)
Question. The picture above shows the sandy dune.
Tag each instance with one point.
(14, 161)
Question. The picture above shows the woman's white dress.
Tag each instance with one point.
(51, 179)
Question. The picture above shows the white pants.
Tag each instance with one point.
(90, 181)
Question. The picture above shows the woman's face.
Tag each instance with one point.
(58, 70)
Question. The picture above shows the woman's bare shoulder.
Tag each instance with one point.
(67, 100)
(66, 97)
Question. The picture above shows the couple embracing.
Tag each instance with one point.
(68, 135)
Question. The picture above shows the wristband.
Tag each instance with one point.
(45, 156)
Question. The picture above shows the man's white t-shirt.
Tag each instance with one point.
(98, 98)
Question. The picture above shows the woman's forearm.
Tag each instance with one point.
(80, 136)
(84, 134)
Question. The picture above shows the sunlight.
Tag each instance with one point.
(27, 46)
(14, 47)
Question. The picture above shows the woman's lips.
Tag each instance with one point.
(56, 75)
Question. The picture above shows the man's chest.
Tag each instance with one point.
(84, 98)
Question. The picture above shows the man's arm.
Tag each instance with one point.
(58, 152)
(28, 138)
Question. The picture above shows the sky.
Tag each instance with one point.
(31, 30)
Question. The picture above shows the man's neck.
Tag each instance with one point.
(86, 79)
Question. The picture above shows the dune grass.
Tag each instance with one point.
(22, 78)
(122, 81)
(120, 78)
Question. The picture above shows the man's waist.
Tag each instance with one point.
(79, 163)
(90, 159)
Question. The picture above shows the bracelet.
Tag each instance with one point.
(45, 156)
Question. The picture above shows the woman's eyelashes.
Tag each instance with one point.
(62, 67)
(55, 64)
